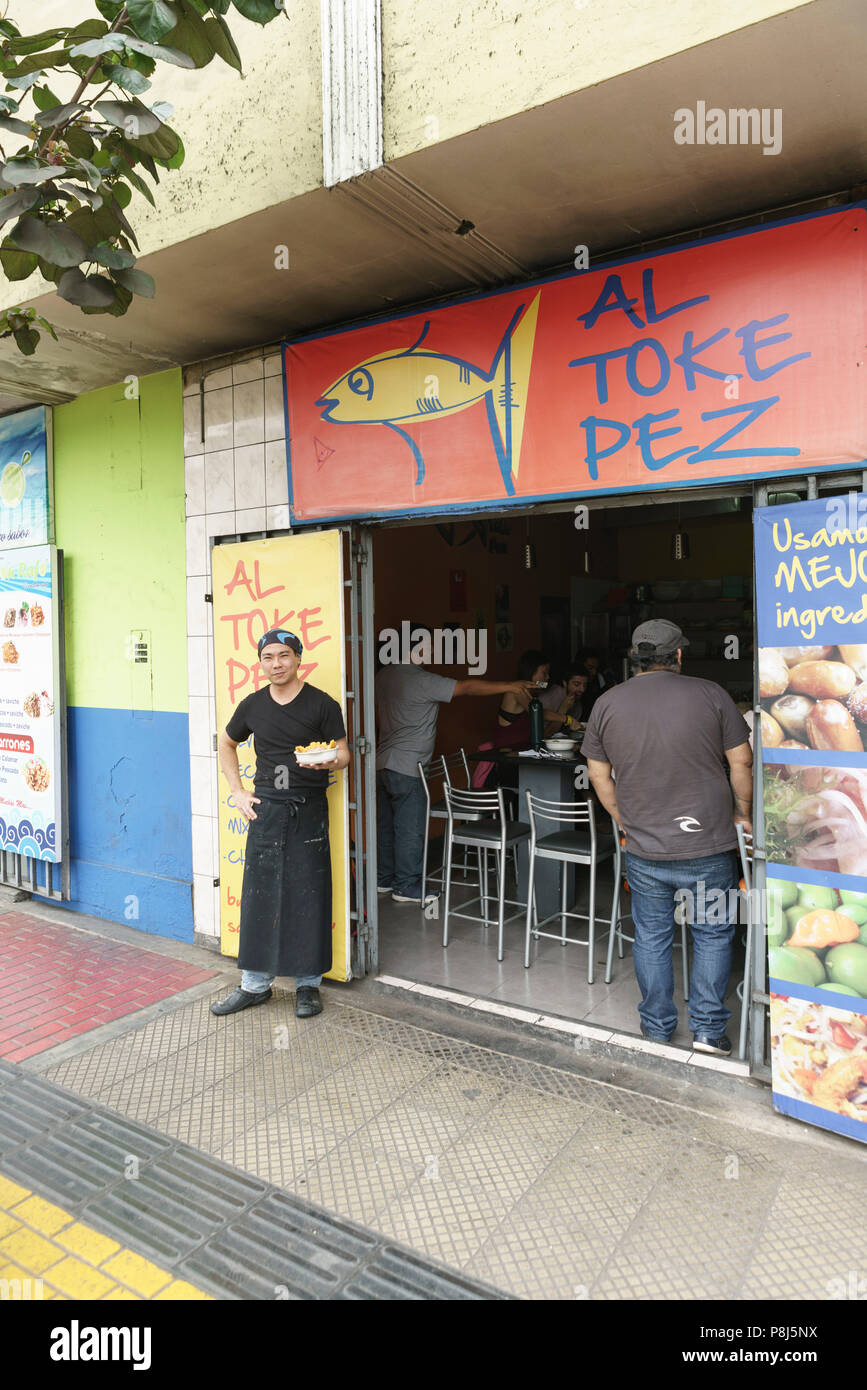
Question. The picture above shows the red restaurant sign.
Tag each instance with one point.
(728, 359)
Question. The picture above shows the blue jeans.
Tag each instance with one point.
(654, 883)
(256, 981)
(401, 810)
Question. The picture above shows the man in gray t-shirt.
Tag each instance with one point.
(672, 742)
(407, 706)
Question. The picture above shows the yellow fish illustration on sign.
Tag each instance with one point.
(398, 388)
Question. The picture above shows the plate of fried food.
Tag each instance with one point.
(311, 754)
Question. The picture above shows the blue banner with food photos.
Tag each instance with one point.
(811, 596)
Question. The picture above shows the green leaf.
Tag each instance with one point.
(161, 51)
(117, 212)
(132, 177)
(127, 78)
(260, 11)
(94, 290)
(82, 194)
(43, 98)
(112, 257)
(19, 175)
(92, 48)
(55, 59)
(191, 36)
(46, 325)
(91, 173)
(50, 272)
(223, 43)
(12, 126)
(121, 194)
(14, 204)
(110, 8)
(55, 241)
(122, 301)
(56, 115)
(79, 142)
(137, 281)
(8, 29)
(21, 84)
(17, 265)
(151, 19)
(132, 117)
(27, 339)
(34, 43)
(165, 145)
(90, 29)
(94, 227)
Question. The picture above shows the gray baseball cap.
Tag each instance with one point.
(657, 638)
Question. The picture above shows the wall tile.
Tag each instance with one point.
(250, 519)
(218, 420)
(217, 378)
(250, 476)
(192, 377)
(276, 475)
(198, 611)
(194, 482)
(249, 413)
(201, 743)
(203, 903)
(198, 666)
(220, 481)
(221, 524)
(274, 364)
(197, 550)
(203, 847)
(275, 419)
(193, 425)
(277, 518)
(251, 370)
(203, 799)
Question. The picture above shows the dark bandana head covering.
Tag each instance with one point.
(279, 634)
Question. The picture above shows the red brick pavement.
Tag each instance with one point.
(57, 982)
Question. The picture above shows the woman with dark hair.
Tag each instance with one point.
(512, 714)
(600, 677)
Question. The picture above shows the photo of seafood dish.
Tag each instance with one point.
(820, 1055)
(36, 775)
(10, 653)
(814, 697)
(816, 817)
(31, 705)
(46, 705)
(9, 618)
(23, 614)
(37, 617)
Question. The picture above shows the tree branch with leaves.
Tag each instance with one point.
(77, 139)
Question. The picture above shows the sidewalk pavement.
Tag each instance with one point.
(244, 1156)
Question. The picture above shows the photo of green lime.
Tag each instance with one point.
(797, 964)
(847, 965)
(13, 485)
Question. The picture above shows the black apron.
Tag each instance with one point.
(286, 897)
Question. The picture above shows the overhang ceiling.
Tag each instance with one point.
(599, 167)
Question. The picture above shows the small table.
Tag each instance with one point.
(553, 779)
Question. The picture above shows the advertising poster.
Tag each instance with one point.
(25, 478)
(294, 582)
(698, 363)
(30, 755)
(811, 588)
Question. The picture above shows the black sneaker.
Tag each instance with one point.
(720, 1047)
(240, 999)
(307, 1002)
(654, 1037)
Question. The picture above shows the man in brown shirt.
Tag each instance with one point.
(672, 742)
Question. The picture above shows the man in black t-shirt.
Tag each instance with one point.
(286, 898)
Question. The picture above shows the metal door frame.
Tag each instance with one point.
(364, 943)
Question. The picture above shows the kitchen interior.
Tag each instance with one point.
(558, 580)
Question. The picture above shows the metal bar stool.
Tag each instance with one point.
(580, 844)
(457, 772)
(436, 810)
(679, 918)
(745, 850)
(488, 828)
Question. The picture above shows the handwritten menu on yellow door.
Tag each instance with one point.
(294, 582)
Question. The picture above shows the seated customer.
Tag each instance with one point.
(566, 714)
(600, 677)
(533, 666)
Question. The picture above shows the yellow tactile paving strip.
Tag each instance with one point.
(45, 1253)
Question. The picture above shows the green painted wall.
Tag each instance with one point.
(120, 520)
